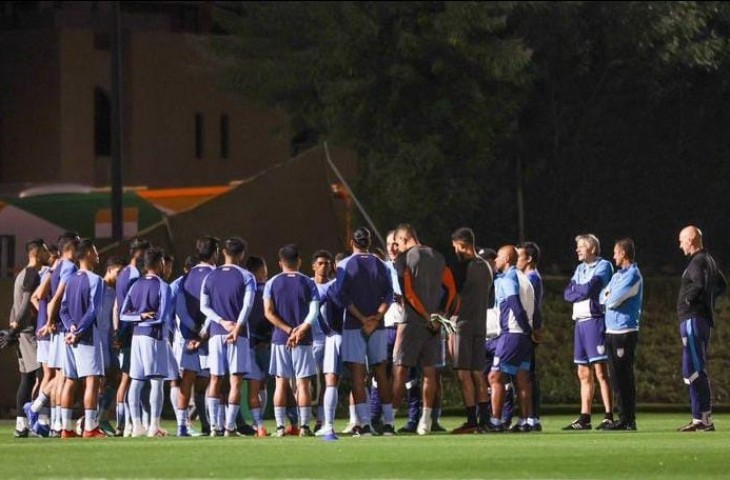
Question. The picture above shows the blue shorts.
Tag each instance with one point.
(695, 333)
(259, 362)
(148, 358)
(333, 355)
(83, 360)
(512, 354)
(228, 358)
(357, 349)
(44, 347)
(56, 350)
(590, 341)
(297, 362)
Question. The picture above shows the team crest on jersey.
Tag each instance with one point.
(601, 349)
(620, 352)
(684, 341)
(495, 362)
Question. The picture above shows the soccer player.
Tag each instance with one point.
(260, 331)
(147, 306)
(194, 331)
(67, 243)
(365, 289)
(514, 298)
(702, 283)
(583, 291)
(528, 256)
(473, 277)
(21, 320)
(322, 267)
(623, 297)
(82, 361)
(123, 331)
(424, 279)
(226, 299)
(291, 304)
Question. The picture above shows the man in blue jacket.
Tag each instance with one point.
(622, 298)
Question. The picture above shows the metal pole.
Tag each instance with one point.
(117, 202)
(352, 195)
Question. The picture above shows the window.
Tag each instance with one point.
(198, 135)
(102, 123)
(224, 136)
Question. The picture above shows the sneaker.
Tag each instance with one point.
(693, 426)
(524, 428)
(246, 430)
(330, 437)
(261, 432)
(437, 428)
(106, 427)
(128, 430)
(305, 431)
(327, 429)
(537, 427)
(95, 433)
(317, 427)
(492, 428)
(30, 414)
(280, 431)
(69, 434)
(215, 433)
(231, 433)
(464, 429)
(193, 432)
(182, 431)
(623, 425)
(292, 430)
(21, 433)
(514, 428)
(409, 427)
(54, 434)
(424, 427)
(359, 431)
(349, 428)
(137, 432)
(157, 432)
(41, 430)
(605, 424)
(578, 425)
(388, 430)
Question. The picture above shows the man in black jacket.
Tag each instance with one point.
(702, 283)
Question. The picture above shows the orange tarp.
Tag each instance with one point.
(177, 200)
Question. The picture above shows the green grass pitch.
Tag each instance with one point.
(655, 451)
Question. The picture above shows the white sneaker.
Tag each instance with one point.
(424, 426)
(325, 430)
(156, 432)
(349, 428)
(138, 432)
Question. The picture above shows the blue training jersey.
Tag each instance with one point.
(513, 317)
(536, 282)
(81, 304)
(585, 287)
(148, 294)
(623, 297)
(291, 293)
(227, 294)
(187, 304)
(61, 274)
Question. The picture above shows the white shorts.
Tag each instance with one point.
(173, 371)
(259, 363)
(371, 351)
(82, 360)
(228, 358)
(318, 351)
(44, 349)
(333, 355)
(56, 350)
(297, 362)
(148, 358)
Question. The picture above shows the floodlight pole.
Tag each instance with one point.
(117, 201)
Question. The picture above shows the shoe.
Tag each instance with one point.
(215, 433)
(193, 432)
(205, 432)
(21, 433)
(524, 428)
(514, 428)
(326, 429)
(464, 429)
(537, 427)
(69, 434)
(231, 433)
(41, 430)
(349, 428)
(605, 424)
(359, 431)
(506, 424)
(95, 433)
(138, 432)
(424, 427)
(408, 428)
(492, 428)
(280, 431)
(578, 425)
(623, 425)
(106, 427)
(54, 434)
(246, 430)
(157, 432)
(330, 437)
(128, 429)
(317, 427)
(436, 428)
(305, 431)
(182, 431)
(29, 413)
(261, 432)
(388, 430)
(693, 426)
(292, 430)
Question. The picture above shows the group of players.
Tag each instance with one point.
(384, 321)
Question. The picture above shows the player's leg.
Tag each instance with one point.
(496, 385)
(304, 369)
(377, 355)
(524, 394)
(157, 401)
(695, 334)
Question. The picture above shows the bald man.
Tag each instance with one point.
(514, 299)
(702, 282)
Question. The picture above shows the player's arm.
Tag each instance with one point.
(622, 289)
(274, 318)
(41, 292)
(130, 316)
(577, 292)
(514, 304)
(537, 315)
(24, 306)
(412, 298)
(693, 291)
(207, 310)
(96, 296)
(448, 281)
(248, 298)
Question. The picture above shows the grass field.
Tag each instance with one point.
(655, 451)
